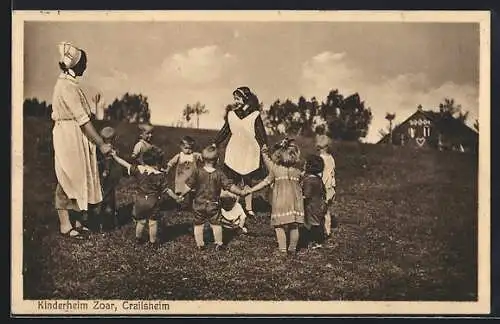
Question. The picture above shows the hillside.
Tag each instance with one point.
(408, 231)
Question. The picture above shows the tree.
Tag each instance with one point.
(35, 108)
(196, 109)
(449, 109)
(347, 118)
(96, 99)
(390, 118)
(132, 108)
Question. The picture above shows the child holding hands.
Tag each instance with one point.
(287, 211)
(152, 187)
(206, 183)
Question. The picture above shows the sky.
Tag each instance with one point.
(393, 66)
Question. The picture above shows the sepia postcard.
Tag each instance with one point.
(250, 163)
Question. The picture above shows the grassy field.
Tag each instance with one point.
(408, 231)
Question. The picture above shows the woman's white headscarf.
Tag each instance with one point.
(69, 55)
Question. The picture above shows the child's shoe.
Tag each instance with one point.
(243, 230)
(154, 245)
(140, 241)
(201, 247)
(316, 246)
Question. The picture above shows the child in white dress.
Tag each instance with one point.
(322, 144)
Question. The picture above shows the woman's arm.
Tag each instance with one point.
(260, 131)
(223, 133)
(91, 133)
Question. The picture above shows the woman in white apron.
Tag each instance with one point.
(75, 140)
(246, 133)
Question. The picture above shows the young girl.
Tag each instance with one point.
(246, 132)
(314, 201)
(144, 144)
(206, 183)
(322, 144)
(185, 162)
(287, 210)
(152, 187)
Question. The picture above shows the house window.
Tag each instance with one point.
(427, 131)
(411, 131)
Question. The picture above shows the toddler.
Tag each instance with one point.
(185, 162)
(144, 144)
(314, 202)
(233, 215)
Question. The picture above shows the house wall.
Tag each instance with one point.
(418, 131)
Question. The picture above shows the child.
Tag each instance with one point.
(323, 143)
(185, 162)
(111, 174)
(233, 215)
(152, 186)
(206, 183)
(144, 143)
(314, 201)
(287, 210)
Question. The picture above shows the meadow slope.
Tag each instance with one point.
(408, 231)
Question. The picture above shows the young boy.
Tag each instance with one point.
(206, 184)
(184, 162)
(110, 175)
(152, 187)
(323, 143)
(144, 143)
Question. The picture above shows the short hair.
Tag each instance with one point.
(314, 164)
(187, 140)
(210, 153)
(227, 202)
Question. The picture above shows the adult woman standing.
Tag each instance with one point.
(75, 140)
(246, 132)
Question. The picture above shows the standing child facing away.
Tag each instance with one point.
(287, 211)
(314, 202)
(322, 144)
(110, 173)
(152, 185)
(206, 183)
(185, 162)
(144, 144)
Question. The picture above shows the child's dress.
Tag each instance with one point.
(286, 197)
(185, 165)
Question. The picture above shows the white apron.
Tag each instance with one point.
(243, 150)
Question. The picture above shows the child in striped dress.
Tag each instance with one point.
(287, 211)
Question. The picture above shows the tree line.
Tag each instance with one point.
(341, 118)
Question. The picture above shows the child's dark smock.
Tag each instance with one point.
(110, 174)
(150, 184)
(207, 188)
(313, 190)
